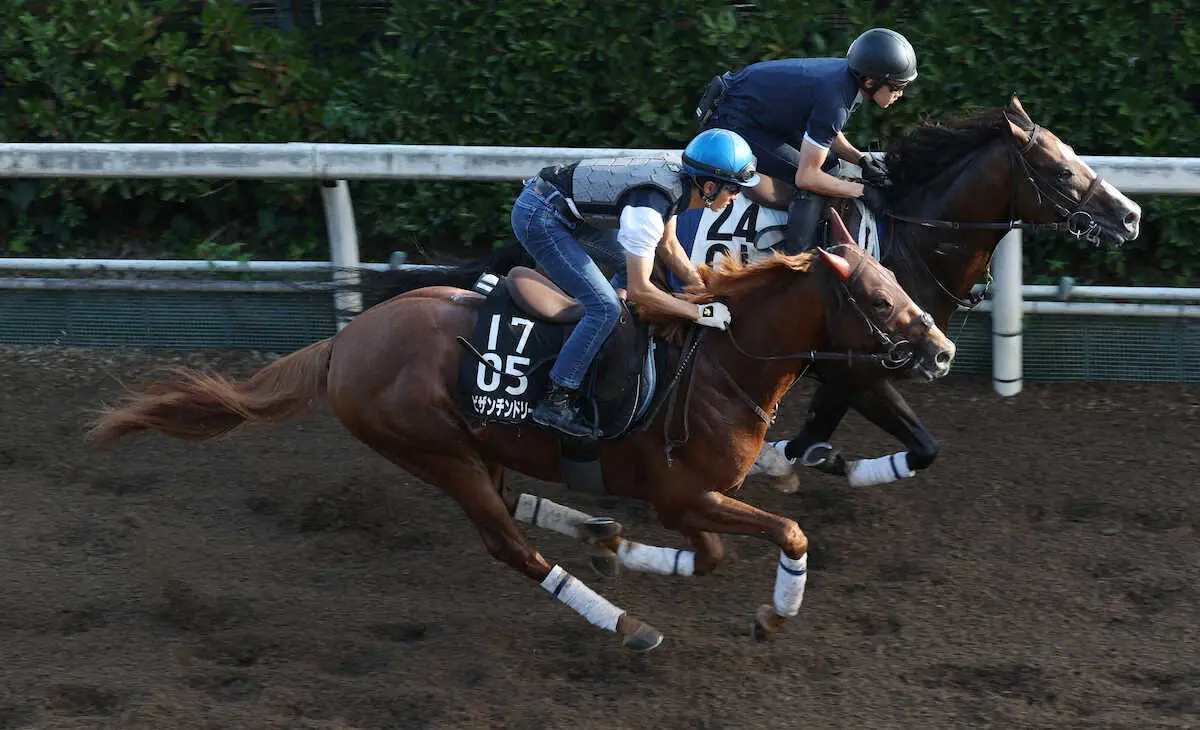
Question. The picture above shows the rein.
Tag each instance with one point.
(1077, 222)
(900, 352)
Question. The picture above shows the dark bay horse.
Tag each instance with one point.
(390, 378)
(958, 188)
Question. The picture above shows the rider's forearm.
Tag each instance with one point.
(653, 298)
(676, 259)
(843, 149)
(819, 181)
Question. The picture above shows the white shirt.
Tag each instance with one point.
(641, 230)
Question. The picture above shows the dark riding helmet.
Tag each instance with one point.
(883, 55)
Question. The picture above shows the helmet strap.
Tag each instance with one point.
(708, 199)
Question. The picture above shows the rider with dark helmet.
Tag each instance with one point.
(560, 218)
(792, 111)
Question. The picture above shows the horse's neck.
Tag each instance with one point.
(772, 323)
(975, 194)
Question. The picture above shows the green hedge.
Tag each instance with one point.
(1109, 79)
(169, 71)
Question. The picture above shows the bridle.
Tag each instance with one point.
(1075, 220)
(899, 354)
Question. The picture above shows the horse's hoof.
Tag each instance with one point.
(602, 528)
(824, 458)
(644, 639)
(605, 563)
(758, 632)
(760, 627)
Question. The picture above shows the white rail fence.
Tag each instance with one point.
(333, 164)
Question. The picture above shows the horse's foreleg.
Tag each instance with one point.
(882, 404)
(713, 512)
(474, 487)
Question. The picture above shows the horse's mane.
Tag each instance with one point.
(736, 279)
(934, 147)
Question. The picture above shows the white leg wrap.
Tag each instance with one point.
(586, 602)
(790, 578)
(884, 470)
(540, 512)
(772, 460)
(650, 559)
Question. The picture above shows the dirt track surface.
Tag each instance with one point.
(1042, 574)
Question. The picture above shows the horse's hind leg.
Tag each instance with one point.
(595, 531)
(472, 484)
(531, 509)
(713, 512)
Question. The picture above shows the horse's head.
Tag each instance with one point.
(871, 309)
(1053, 184)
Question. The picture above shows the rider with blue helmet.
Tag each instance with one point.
(792, 110)
(561, 218)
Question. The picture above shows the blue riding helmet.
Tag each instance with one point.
(721, 154)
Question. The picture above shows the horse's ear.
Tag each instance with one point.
(1019, 134)
(839, 263)
(1014, 105)
(840, 233)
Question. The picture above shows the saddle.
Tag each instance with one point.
(519, 331)
(537, 295)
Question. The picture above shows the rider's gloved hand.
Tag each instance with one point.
(714, 314)
(874, 172)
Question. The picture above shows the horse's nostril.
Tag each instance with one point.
(943, 358)
(1131, 220)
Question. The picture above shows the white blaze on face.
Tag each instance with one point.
(1124, 205)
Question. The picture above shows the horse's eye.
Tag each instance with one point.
(880, 303)
(1065, 174)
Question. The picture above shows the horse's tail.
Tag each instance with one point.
(379, 286)
(200, 406)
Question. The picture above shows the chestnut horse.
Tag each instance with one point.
(390, 378)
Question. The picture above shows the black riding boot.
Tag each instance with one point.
(804, 219)
(559, 411)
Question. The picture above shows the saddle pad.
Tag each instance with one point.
(512, 370)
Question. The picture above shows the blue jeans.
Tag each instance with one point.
(551, 240)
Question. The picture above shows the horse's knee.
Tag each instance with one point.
(793, 542)
(923, 453)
